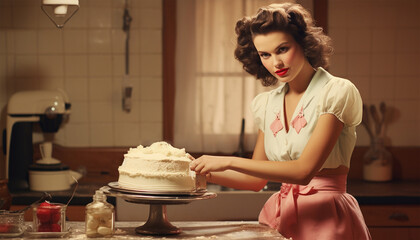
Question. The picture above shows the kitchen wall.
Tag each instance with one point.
(377, 46)
(87, 59)
(376, 42)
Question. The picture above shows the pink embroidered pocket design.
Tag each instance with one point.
(276, 125)
(299, 122)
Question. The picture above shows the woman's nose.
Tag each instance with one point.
(277, 62)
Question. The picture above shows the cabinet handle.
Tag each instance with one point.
(400, 217)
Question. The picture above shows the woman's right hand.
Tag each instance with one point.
(206, 164)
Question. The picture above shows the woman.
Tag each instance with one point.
(306, 129)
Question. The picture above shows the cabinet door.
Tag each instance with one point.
(391, 215)
(390, 222)
(393, 233)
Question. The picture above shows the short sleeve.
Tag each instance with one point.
(341, 98)
(258, 107)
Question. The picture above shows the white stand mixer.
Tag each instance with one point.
(46, 108)
(48, 174)
(46, 153)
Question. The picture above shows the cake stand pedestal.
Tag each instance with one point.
(157, 223)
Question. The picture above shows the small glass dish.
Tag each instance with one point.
(11, 224)
(49, 218)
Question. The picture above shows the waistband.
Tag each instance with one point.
(325, 183)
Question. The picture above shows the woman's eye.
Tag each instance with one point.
(283, 49)
(264, 55)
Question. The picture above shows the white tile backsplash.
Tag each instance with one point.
(382, 88)
(100, 65)
(51, 83)
(149, 18)
(26, 66)
(358, 64)
(25, 42)
(100, 112)
(383, 64)
(5, 16)
(50, 41)
(151, 88)
(359, 40)
(25, 16)
(100, 89)
(408, 40)
(99, 41)
(408, 88)
(77, 89)
(382, 58)
(127, 134)
(80, 112)
(99, 17)
(76, 65)
(151, 41)
(150, 132)
(77, 135)
(51, 65)
(101, 134)
(151, 111)
(151, 65)
(87, 59)
(75, 41)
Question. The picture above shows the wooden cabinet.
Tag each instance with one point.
(393, 221)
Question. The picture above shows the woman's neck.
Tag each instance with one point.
(298, 86)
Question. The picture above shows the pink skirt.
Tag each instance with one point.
(320, 210)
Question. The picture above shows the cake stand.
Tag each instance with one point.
(157, 222)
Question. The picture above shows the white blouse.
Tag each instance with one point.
(326, 94)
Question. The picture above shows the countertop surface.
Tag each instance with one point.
(190, 230)
(394, 192)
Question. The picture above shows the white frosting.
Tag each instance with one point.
(158, 151)
(159, 167)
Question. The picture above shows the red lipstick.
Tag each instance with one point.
(282, 72)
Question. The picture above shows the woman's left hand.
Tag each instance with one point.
(206, 164)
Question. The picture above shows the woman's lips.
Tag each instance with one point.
(282, 72)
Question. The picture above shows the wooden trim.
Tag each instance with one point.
(321, 14)
(168, 71)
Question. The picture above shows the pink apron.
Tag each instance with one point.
(320, 210)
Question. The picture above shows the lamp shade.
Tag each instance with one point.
(60, 11)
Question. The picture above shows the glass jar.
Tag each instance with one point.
(377, 165)
(49, 217)
(100, 217)
(11, 224)
(5, 197)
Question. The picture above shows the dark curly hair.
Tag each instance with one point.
(291, 18)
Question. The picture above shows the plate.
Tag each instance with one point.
(47, 234)
(156, 199)
(10, 235)
(116, 187)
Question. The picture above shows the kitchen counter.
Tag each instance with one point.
(394, 192)
(190, 230)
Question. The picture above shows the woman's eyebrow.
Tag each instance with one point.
(277, 48)
(281, 45)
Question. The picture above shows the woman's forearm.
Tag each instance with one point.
(237, 180)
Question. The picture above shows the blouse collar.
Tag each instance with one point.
(319, 79)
